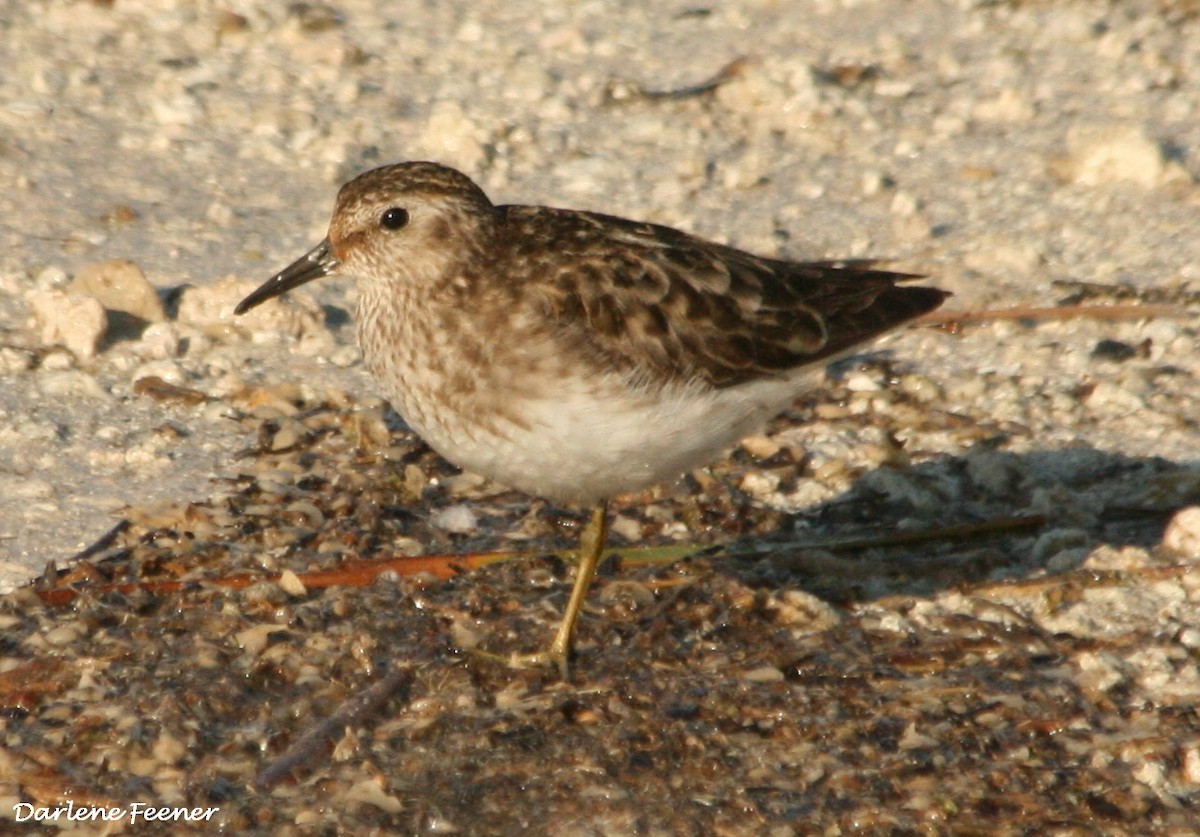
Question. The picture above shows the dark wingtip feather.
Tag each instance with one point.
(892, 307)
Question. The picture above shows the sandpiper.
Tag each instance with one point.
(574, 355)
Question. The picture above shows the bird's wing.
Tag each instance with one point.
(660, 304)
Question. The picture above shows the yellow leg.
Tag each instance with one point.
(591, 547)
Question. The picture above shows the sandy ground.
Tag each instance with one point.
(1020, 153)
(1000, 147)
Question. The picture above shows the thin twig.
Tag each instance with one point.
(350, 574)
(362, 573)
(727, 73)
(1061, 312)
(104, 542)
(937, 533)
(625, 90)
(1084, 578)
(356, 709)
(1177, 295)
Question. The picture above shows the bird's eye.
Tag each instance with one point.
(394, 219)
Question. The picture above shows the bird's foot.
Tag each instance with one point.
(552, 657)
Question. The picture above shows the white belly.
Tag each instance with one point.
(584, 442)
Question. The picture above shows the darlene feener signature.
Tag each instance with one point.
(135, 811)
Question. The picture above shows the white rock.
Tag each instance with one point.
(921, 388)
(759, 484)
(873, 182)
(1108, 558)
(753, 91)
(291, 583)
(168, 370)
(1111, 398)
(862, 382)
(160, 341)
(1190, 763)
(894, 88)
(803, 611)
(1183, 532)
(1102, 154)
(211, 309)
(120, 285)
(764, 674)
(57, 360)
(64, 319)
(345, 356)
(179, 110)
(1098, 671)
(13, 360)
(905, 205)
(50, 278)
(626, 527)
(458, 519)
(451, 135)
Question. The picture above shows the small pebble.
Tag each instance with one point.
(459, 519)
(75, 321)
(1182, 535)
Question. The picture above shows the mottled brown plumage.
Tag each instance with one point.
(663, 304)
(576, 355)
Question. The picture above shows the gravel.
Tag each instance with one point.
(161, 158)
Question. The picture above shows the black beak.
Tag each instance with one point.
(317, 262)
